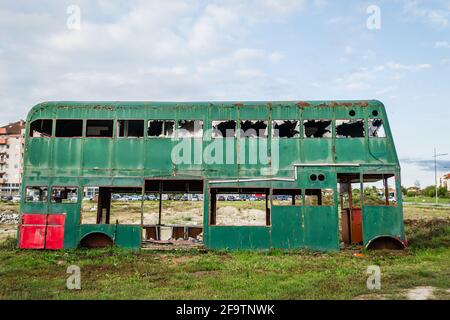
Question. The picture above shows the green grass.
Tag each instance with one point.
(275, 274)
(423, 199)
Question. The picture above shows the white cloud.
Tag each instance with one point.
(138, 50)
(284, 6)
(442, 44)
(403, 67)
(436, 17)
(364, 78)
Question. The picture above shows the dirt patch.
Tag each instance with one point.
(420, 293)
(230, 215)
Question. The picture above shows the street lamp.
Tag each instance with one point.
(435, 171)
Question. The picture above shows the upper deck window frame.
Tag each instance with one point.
(86, 127)
(335, 134)
(198, 124)
(172, 136)
(297, 135)
(127, 136)
(30, 129)
(83, 125)
(245, 134)
(379, 133)
(330, 135)
(215, 135)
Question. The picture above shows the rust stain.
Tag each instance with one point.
(341, 104)
(303, 104)
(362, 103)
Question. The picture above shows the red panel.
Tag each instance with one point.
(55, 237)
(39, 219)
(32, 237)
(357, 225)
(56, 219)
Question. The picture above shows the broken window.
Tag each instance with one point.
(253, 128)
(350, 128)
(130, 128)
(327, 197)
(379, 190)
(319, 197)
(286, 128)
(99, 128)
(190, 128)
(88, 213)
(64, 195)
(317, 128)
(69, 128)
(161, 128)
(225, 128)
(239, 207)
(376, 128)
(36, 194)
(41, 128)
(286, 197)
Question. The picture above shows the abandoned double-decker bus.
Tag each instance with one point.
(320, 175)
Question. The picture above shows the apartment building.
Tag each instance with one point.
(11, 157)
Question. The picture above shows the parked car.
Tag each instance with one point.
(220, 198)
(16, 199)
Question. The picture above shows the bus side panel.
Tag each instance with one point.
(382, 221)
(321, 227)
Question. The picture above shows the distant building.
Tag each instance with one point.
(11, 157)
(445, 181)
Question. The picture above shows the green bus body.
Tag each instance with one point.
(126, 162)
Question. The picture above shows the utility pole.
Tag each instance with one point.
(435, 172)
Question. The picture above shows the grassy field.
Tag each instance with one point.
(423, 199)
(121, 274)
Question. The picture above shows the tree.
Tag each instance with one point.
(404, 191)
(430, 191)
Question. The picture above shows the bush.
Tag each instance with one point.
(9, 243)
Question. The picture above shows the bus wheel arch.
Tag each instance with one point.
(386, 242)
(96, 239)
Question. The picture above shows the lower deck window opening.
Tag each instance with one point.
(319, 197)
(286, 197)
(36, 194)
(239, 207)
(64, 195)
(379, 190)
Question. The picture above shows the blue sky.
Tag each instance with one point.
(238, 50)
